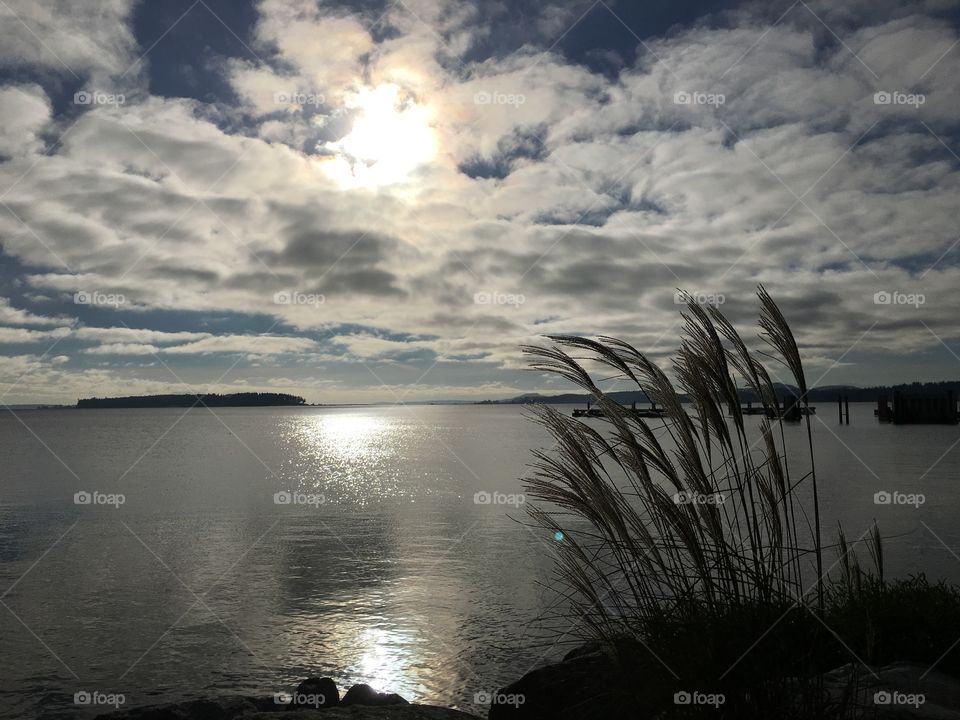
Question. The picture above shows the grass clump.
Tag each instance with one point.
(691, 544)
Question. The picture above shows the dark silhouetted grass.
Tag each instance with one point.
(731, 597)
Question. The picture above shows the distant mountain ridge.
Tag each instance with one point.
(819, 394)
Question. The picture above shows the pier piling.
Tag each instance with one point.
(843, 407)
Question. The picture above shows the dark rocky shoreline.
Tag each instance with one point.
(312, 696)
(588, 684)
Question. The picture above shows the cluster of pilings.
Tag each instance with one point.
(919, 408)
(907, 409)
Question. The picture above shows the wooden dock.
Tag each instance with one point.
(790, 410)
(652, 412)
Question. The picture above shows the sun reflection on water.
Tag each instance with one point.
(351, 435)
(360, 610)
(353, 458)
(384, 661)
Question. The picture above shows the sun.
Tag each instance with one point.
(390, 138)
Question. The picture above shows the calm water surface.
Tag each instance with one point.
(200, 583)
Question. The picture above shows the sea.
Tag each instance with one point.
(158, 555)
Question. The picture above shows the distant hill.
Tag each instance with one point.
(824, 393)
(626, 397)
(187, 400)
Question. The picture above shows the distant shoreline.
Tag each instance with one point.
(826, 394)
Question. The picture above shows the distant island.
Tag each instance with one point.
(189, 400)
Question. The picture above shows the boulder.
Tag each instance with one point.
(317, 692)
(588, 684)
(363, 694)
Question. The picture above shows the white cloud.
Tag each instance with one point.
(248, 344)
(68, 37)
(24, 114)
(15, 316)
(9, 335)
(135, 336)
(367, 346)
(122, 349)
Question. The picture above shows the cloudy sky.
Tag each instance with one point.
(374, 201)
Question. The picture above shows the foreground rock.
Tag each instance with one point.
(589, 684)
(324, 690)
(363, 694)
(214, 710)
(314, 698)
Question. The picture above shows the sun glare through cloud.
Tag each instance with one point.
(390, 138)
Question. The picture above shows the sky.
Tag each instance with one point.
(382, 201)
